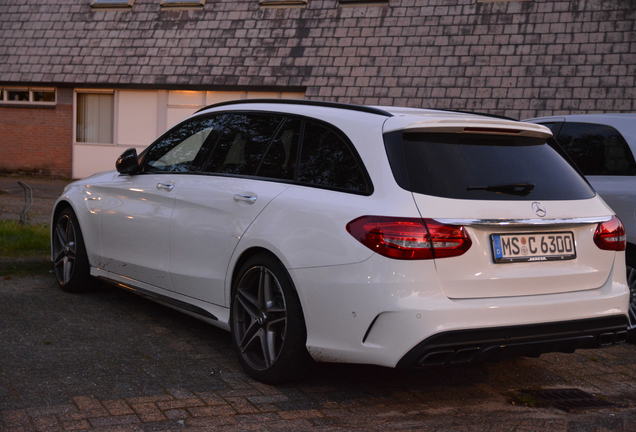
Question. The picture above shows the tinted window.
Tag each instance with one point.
(597, 149)
(327, 160)
(243, 140)
(554, 127)
(182, 149)
(483, 167)
(280, 160)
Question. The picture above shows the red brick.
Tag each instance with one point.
(144, 399)
(72, 425)
(175, 414)
(148, 412)
(179, 403)
(242, 405)
(87, 403)
(46, 423)
(37, 139)
(207, 411)
(299, 414)
(117, 407)
(114, 420)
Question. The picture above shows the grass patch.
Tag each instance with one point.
(23, 240)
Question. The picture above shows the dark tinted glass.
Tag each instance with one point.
(597, 149)
(483, 167)
(184, 148)
(554, 127)
(328, 161)
(244, 138)
(280, 160)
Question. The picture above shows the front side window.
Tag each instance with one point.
(184, 148)
(597, 149)
(243, 140)
(327, 160)
(95, 118)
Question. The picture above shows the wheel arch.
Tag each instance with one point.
(246, 254)
(60, 205)
(630, 254)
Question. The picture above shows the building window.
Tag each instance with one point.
(94, 119)
(182, 3)
(25, 95)
(111, 4)
(363, 2)
(282, 3)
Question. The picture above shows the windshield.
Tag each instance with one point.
(482, 167)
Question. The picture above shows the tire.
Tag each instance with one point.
(267, 324)
(70, 262)
(631, 281)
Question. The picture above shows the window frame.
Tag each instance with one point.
(115, 112)
(178, 4)
(5, 100)
(119, 4)
(303, 118)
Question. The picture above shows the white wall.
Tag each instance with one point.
(142, 115)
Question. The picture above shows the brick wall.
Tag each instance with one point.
(37, 140)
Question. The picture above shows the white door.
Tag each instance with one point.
(136, 211)
(211, 215)
(135, 214)
(254, 155)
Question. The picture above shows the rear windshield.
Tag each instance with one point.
(482, 167)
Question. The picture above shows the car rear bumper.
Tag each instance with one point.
(465, 346)
(379, 311)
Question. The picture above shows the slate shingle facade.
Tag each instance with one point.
(518, 58)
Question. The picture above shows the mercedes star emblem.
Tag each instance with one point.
(539, 209)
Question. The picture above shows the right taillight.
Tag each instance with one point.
(409, 238)
(610, 235)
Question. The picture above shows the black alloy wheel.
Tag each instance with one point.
(261, 317)
(631, 282)
(70, 262)
(267, 324)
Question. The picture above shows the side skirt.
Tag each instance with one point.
(216, 315)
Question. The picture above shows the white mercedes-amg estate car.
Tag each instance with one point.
(341, 233)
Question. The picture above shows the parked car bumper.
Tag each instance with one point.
(379, 310)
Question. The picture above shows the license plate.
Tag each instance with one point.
(524, 247)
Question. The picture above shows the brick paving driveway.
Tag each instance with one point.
(112, 361)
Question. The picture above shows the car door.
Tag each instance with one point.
(135, 211)
(216, 206)
(602, 154)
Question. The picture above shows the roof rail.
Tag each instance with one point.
(362, 108)
(477, 113)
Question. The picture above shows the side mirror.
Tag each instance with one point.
(128, 162)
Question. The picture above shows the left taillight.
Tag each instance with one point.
(409, 238)
(610, 235)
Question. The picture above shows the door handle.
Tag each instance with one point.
(165, 186)
(249, 198)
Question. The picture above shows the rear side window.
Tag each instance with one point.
(597, 149)
(482, 167)
(243, 140)
(280, 160)
(328, 161)
(554, 127)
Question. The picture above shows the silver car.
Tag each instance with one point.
(603, 146)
